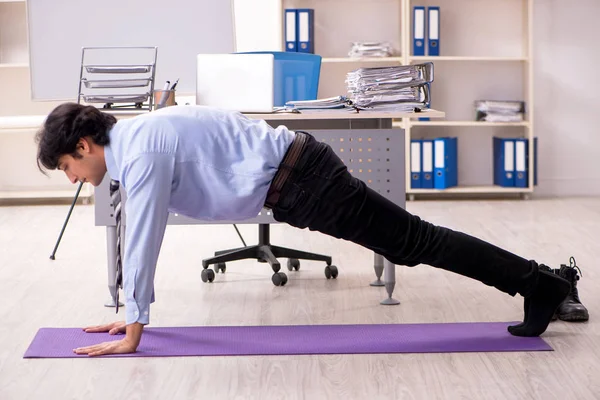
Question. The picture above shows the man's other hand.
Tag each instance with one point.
(112, 328)
(122, 346)
(129, 344)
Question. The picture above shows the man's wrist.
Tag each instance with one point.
(133, 334)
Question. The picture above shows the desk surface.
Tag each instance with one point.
(333, 115)
(35, 121)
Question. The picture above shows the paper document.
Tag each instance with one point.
(327, 103)
(370, 49)
(499, 111)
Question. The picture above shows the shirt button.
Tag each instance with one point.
(146, 313)
(136, 313)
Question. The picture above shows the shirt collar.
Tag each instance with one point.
(109, 156)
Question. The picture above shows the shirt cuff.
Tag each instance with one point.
(137, 313)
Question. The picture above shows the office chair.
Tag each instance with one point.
(264, 251)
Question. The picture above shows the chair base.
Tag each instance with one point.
(264, 251)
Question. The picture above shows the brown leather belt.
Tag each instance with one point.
(285, 168)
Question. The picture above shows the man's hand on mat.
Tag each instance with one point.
(127, 345)
(122, 346)
(112, 328)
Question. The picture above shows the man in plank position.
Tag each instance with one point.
(212, 164)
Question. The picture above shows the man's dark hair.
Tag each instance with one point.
(63, 128)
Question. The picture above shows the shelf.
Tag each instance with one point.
(12, 1)
(44, 194)
(471, 189)
(21, 122)
(469, 123)
(350, 60)
(14, 65)
(475, 58)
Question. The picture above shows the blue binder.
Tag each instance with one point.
(504, 161)
(427, 164)
(419, 31)
(524, 181)
(291, 30)
(521, 162)
(306, 30)
(415, 163)
(445, 151)
(433, 24)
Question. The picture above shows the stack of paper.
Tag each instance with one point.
(398, 88)
(371, 49)
(327, 104)
(499, 111)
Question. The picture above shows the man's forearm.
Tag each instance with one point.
(134, 333)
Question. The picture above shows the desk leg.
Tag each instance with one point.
(390, 282)
(378, 265)
(111, 262)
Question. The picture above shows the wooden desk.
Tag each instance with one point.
(382, 167)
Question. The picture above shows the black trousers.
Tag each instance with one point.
(323, 196)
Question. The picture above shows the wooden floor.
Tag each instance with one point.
(70, 292)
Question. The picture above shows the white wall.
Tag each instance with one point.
(567, 112)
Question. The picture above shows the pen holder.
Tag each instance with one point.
(164, 98)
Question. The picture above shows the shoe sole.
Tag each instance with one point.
(574, 317)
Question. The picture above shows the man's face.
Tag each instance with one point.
(89, 166)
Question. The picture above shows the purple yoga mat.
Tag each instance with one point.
(295, 339)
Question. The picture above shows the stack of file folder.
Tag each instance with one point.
(326, 104)
(398, 88)
(499, 111)
(434, 163)
(371, 49)
(511, 162)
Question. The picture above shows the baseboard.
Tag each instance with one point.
(566, 187)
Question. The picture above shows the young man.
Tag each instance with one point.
(212, 164)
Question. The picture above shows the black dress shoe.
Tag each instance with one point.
(540, 306)
(571, 309)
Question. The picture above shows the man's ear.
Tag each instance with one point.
(84, 145)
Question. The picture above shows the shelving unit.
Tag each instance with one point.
(484, 60)
(20, 118)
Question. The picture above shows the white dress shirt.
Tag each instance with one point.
(196, 161)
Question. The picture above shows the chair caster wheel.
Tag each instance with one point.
(220, 267)
(279, 279)
(293, 264)
(331, 271)
(207, 275)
